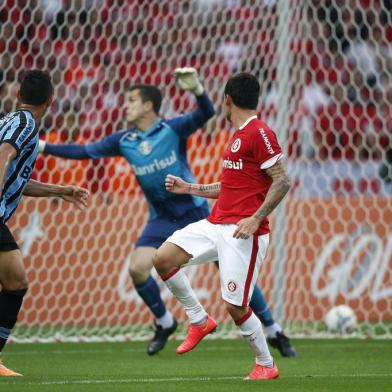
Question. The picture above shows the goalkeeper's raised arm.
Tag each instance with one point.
(188, 123)
(143, 103)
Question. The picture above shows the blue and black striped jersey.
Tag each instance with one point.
(20, 130)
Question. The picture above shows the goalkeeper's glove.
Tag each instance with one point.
(41, 145)
(188, 79)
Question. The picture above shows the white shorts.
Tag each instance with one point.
(239, 259)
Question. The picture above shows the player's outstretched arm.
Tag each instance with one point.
(70, 193)
(279, 187)
(177, 185)
(70, 151)
(106, 147)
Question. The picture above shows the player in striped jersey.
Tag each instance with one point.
(18, 151)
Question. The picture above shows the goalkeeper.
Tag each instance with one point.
(155, 147)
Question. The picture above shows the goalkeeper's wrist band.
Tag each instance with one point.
(41, 145)
(198, 90)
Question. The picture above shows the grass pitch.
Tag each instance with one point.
(216, 365)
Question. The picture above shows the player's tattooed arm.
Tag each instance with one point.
(279, 187)
(177, 185)
(210, 191)
(277, 191)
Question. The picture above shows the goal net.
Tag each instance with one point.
(325, 69)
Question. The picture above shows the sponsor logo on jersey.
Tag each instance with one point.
(235, 165)
(266, 141)
(156, 165)
(26, 132)
(145, 147)
(236, 145)
(232, 286)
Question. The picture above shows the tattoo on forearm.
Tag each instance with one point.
(209, 188)
(210, 191)
(275, 195)
(280, 186)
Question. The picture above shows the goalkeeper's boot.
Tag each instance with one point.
(159, 340)
(260, 372)
(5, 372)
(195, 334)
(282, 343)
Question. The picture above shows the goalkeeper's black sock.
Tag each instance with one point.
(151, 295)
(10, 304)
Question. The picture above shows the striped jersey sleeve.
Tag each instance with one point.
(18, 129)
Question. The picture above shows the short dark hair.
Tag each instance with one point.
(36, 88)
(244, 90)
(148, 92)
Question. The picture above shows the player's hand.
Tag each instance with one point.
(176, 184)
(188, 79)
(246, 228)
(76, 195)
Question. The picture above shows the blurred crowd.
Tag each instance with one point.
(340, 59)
(351, 65)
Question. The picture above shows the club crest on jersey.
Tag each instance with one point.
(232, 286)
(145, 147)
(236, 145)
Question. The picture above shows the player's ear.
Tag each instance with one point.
(227, 100)
(50, 101)
(148, 106)
(18, 95)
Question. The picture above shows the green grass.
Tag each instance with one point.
(217, 365)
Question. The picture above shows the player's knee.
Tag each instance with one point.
(235, 311)
(231, 309)
(161, 262)
(140, 266)
(138, 273)
(158, 260)
(169, 257)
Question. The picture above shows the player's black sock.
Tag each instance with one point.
(260, 307)
(10, 304)
(149, 291)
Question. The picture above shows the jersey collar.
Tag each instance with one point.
(152, 128)
(25, 110)
(247, 122)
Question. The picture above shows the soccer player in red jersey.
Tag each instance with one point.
(252, 183)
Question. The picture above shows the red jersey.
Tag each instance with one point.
(244, 182)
